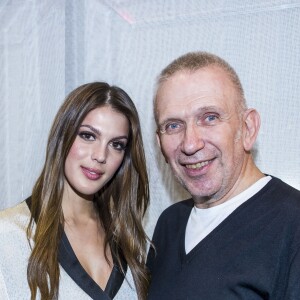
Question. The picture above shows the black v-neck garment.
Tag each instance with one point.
(69, 262)
(72, 266)
(254, 254)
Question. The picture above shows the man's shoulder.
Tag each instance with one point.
(177, 210)
(284, 193)
(186, 205)
(171, 222)
(281, 184)
(279, 199)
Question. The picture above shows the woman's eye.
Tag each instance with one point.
(118, 145)
(87, 136)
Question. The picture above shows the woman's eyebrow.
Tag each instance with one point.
(96, 131)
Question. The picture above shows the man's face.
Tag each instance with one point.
(201, 132)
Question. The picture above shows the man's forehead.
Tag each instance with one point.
(193, 102)
(187, 82)
(190, 108)
(203, 87)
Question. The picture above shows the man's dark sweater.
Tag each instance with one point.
(253, 254)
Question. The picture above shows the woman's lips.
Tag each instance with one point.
(92, 174)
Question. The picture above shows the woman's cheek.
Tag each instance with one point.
(77, 151)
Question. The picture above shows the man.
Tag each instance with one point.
(239, 235)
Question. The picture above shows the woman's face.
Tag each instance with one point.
(97, 152)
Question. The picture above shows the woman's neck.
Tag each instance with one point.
(77, 208)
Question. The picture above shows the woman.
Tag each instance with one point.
(79, 236)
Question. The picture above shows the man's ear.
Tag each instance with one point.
(159, 145)
(251, 123)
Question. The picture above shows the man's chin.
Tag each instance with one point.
(201, 192)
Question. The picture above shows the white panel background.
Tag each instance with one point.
(49, 47)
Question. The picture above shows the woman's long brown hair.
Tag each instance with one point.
(121, 204)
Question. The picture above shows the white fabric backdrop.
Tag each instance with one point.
(49, 47)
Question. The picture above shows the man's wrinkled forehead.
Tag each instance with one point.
(185, 90)
(188, 105)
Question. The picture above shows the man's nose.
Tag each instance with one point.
(193, 139)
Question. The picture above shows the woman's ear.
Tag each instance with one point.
(251, 122)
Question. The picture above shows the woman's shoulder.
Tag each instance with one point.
(14, 250)
(14, 218)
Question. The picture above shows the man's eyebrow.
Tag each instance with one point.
(169, 120)
(208, 108)
(197, 111)
(96, 131)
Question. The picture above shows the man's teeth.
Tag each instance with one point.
(198, 165)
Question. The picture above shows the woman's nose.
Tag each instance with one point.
(99, 154)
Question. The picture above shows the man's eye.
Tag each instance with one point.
(211, 118)
(173, 127)
(118, 145)
(87, 136)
